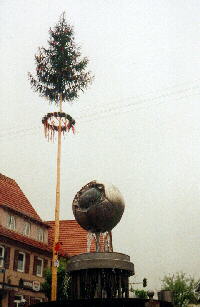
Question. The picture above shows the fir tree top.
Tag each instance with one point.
(60, 69)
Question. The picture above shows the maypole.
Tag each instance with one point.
(57, 122)
(57, 215)
(60, 75)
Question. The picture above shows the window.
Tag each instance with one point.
(11, 222)
(2, 254)
(27, 229)
(40, 235)
(39, 267)
(21, 262)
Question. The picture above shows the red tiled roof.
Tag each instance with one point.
(12, 196)
(12, 235)
(72, 236)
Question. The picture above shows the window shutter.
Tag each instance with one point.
(34, 265)
(7, 257)
(45, 266)
(45, 263)
(27, 263)
(15, 260)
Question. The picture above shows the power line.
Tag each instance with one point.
(146, 96)
(139, 102)
(95, 116)
(114, 104)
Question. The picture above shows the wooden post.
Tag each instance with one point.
(57, 213)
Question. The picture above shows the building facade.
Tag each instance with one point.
(24, 247)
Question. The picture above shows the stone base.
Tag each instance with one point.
(100, 275)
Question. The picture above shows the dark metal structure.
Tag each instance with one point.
(98, 207)
(112, 302)
(100, 275)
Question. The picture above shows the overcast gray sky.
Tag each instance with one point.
(138, 126)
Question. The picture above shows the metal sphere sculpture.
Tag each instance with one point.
(98, 207)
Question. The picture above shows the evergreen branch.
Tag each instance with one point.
(60, 68)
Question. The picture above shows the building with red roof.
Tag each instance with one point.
(72, 237)
(24, 247)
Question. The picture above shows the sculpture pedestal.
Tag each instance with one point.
(100, 275)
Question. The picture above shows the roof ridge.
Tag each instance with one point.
(11, 191)
(7, 179)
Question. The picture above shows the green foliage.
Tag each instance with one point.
(183, 287)
(60, 69)
(141, 294)
(46, 286)
(63, 282)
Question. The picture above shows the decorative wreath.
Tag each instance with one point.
(51, 123)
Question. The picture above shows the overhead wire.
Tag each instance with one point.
(114, 103)
(35, 131)
(139, 103)
(93, 117)
(153, 92)
(99, 113)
